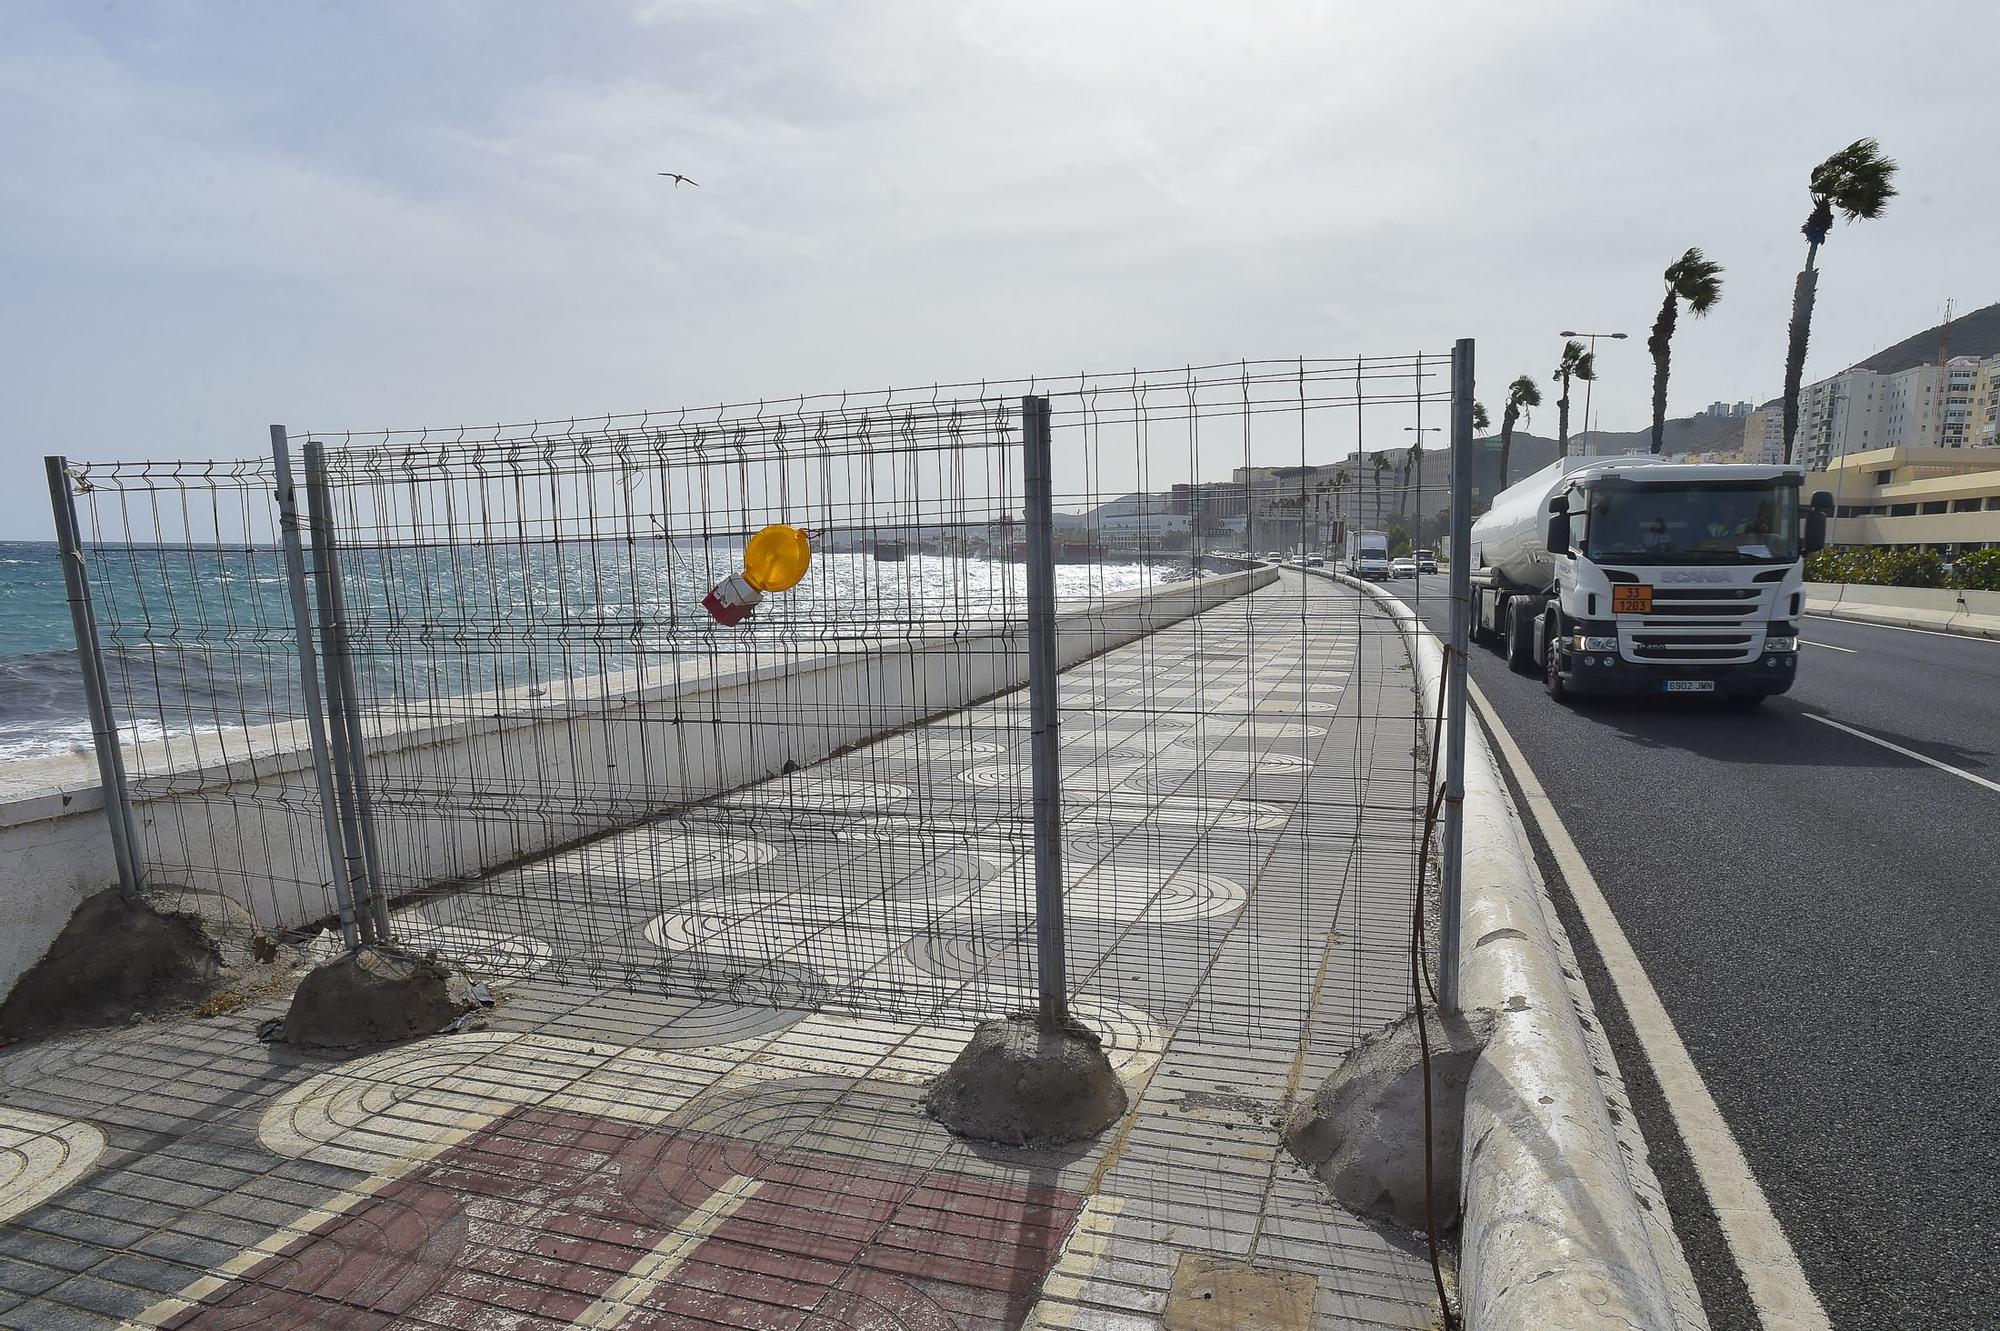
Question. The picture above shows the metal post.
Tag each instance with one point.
(295, 583)
(1045, 744)
(96, 685)
(1461, 623)
(350, 754)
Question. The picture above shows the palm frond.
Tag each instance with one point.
(1856, 182)
(1524, 392)
(1586, 366)
(1696, 279)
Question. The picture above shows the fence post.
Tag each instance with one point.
(1045, 752)
(1461, 624)
(340, 871)
(350, 754)
(96, 685)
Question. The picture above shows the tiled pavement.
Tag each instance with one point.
(1238, 844)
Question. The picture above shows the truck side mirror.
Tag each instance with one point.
(1558, 541)
(1822, 503)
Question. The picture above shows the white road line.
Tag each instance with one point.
(1771, 1272)
(1851, 651)
(1900, 628)
(1907, 753)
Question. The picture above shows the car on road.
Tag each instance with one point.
(1403, 567)
(1315, 561)
(1427, 561)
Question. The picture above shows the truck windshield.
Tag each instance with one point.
(1694, 524)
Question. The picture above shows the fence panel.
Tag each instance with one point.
(574, 775)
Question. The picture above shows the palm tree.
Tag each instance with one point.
(1855, 183)
(1576, 363)
(1524, 393)
(1698, 281)
(1480, 420)
(1381, 464)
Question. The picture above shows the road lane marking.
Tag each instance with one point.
(1901, 628)
(1907, 753)
(1771, 1273)
(1851, 651)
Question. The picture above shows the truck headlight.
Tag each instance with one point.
(1781, 644)
(1587, 644)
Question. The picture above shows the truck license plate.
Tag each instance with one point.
(1631, 600)
(1690, 686)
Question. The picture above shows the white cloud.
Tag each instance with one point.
(895, 192)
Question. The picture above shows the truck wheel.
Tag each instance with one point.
(1552, 679)
(1520, 635)
(1480, 634)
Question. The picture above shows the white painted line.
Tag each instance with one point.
(1907, 753)
(653, 1270)
(1901, 628)
(1771, 1272)
(1851, 651)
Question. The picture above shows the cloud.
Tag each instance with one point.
(441, 213)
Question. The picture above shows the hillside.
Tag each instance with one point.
(1974, 334)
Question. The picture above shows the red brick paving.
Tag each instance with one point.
(529, 1221)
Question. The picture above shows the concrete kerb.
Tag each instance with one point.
(1966, 614)
(1554, 1234)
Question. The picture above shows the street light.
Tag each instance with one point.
(1589, 384)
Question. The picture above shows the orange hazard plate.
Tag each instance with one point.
(1626, 600)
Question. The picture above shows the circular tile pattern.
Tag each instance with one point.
(1181, 813)
(823, 793)
(910, 870)
(1119, 893)
(665, 851)
(994, 776)
(487, 955)
(40, 1155)
(1184, 756)
(1260, 729)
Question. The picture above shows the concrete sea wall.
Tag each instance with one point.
(236, 812)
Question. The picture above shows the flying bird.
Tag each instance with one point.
(678, 179)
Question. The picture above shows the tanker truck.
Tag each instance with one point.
(1637, 575)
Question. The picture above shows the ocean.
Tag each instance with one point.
(196, 638)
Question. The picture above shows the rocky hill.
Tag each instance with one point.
(1974, 334)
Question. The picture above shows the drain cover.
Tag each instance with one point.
(1223, 1294)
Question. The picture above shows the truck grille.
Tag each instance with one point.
(1697, 626)
(1693, 648)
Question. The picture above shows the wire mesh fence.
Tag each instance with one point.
(576, 772)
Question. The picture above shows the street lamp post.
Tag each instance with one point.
(1590, 383)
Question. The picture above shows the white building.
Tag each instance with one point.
(1925, 406)
(1730, 409)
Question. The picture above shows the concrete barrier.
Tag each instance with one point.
(236, 812)
(1942, 609)
(1554, 1234)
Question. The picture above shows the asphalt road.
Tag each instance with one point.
(1821, 918)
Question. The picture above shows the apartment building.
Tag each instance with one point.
(1764, 434)
(1925, 406)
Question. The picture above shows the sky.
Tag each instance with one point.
(214, 216)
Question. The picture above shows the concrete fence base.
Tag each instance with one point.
(1554, 1233)
(236, 812)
